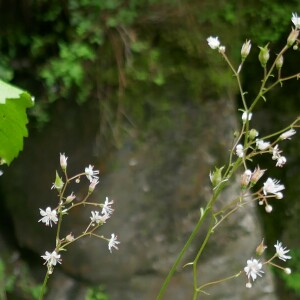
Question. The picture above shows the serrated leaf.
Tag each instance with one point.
(13, 120)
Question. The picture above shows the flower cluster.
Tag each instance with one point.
(254, 266)
(248, 144)
(66, 204)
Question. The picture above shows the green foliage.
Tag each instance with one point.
(96, 293)
(13, 120)
(292, 281)
(129, 55)
(14, 285)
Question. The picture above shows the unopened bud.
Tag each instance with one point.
(222, 49)
(264, 55)
(253, 134)
(245, 179)
(287, 271)
(261, 248)
(63, 161)
(268, 208)
(93, 185)
(292, 37)
(70, 198)
(279, 62)
(257, 174)
(245, 49)
(70, 237)
(216, 176)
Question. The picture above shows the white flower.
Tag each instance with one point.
(1, 172)
(90, 173)
(280, 251)
(113, 242)
(246, 116)
(48, 216)
(96, 218)
(296, 20)
(253, 268)
(239, 150)
(213, 42)
(51, 258)
(287, 134)
(281, 161)
(261, 145)
(106, 209)
(276, 153)
(272, 186)
(63, 161)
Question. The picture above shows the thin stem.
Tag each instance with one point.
(182, 252)
(44, 286)
(195, 262)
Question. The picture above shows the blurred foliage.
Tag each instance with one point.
(17, 283)
(134, 57)
(96, 293)
(292, 281)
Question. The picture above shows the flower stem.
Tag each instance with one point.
(43, 290)
(183, 250)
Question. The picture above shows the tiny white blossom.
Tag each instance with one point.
(272, 186)
(281, 251)
(253, 268)
(239, 150)
(288, 134)
(296, 20)
(279, 195)
(276, 153)
(213, 42)
(246, 116)
(90, 173)
(106, 209)
(261, 145)
(281, 161)
(48, 216)
(113, 242)
(96, 218)
(1, 172)
(51, 258)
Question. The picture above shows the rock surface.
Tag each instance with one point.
(158, 186)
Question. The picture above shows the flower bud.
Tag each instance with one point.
(245, 179)
(216, 176)
(292, 37)
(70, 237)
(279, 62)
(58, 184)
(93, 184)
(264, 55)
(268, 208)
(63, 161)
(245, 49)
(70, 198)
(257, 174)
(222, 49)
(253, 133)
(287, 271)
(261, 248)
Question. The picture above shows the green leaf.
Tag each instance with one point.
(13, 120)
